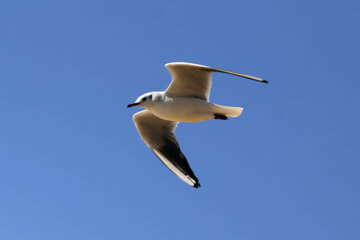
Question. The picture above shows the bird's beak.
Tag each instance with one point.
(133, 104)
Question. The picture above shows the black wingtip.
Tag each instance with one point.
(264, 81)
(197, 185)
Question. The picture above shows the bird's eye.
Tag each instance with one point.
(143, 99)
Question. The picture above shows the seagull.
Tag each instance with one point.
(185, 100)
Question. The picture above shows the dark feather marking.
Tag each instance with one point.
(173, 153)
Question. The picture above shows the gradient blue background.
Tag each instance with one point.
(72, 165)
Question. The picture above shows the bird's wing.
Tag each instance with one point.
(158, 134)
(189, 80)
(193, 80)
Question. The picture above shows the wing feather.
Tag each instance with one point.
(193, 80)
(189, 80)
(158, 134)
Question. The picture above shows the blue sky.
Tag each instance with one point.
(72, 165)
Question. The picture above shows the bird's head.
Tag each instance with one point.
(144, 100)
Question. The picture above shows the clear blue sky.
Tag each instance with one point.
(72, 165)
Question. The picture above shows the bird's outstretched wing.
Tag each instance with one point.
(193, 80)
(158, 134)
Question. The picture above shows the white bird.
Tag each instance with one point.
(185, 100)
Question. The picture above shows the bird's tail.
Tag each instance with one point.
(227, 111)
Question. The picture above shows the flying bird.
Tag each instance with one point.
(185, 100)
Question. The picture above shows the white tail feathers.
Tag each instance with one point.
(227, 111)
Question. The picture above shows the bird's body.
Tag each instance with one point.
(188, 109)
(185, 100)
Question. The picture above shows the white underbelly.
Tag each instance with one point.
(183, 109)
